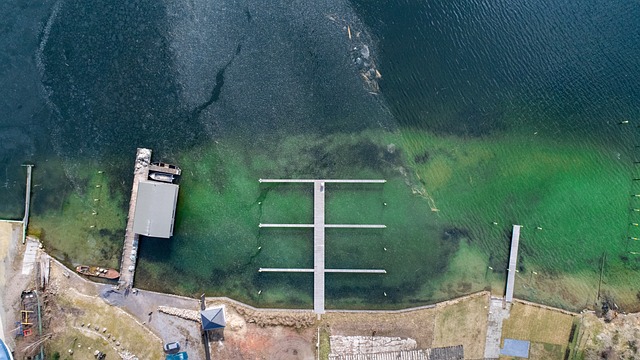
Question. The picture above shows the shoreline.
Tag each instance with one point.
(224, 299)
(296, 310)
(171, 317)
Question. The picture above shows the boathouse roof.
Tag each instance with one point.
(155, 209)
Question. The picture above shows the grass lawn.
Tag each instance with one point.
(535, 324)
(463, 322)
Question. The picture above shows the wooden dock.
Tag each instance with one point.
(319, 227)
(352, 181)
(130, 248)
(27, 201)
(513, 259)
(338, 226)
(350, 271)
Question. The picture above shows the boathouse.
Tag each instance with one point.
(155, 209)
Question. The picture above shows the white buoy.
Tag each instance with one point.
(385, 204)
(259, 292)
(538, 227)
(495, 223)
(259, 247)
(490, 268)
(385, 249)
(98, 186)
(385, 294)
(100, 171)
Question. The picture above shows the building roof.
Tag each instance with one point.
(213, 319)
(179, 356)
(512, 347)
(443, 353)
(155, 209)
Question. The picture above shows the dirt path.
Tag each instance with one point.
(9, 233)
(5, 236)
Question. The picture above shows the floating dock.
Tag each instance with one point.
(130, 248)
(319, 236)
(513, 259)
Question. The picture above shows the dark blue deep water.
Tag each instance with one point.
(286, 89)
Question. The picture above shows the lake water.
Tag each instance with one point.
(479, 115)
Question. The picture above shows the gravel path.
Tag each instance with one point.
(494, 328)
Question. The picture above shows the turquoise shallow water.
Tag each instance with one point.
(478, 114)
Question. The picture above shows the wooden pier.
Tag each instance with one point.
(353, 181)
(27, 201)
(350, 271)
(338, 226)
(319, 237)
(513, 259)
(130, 248)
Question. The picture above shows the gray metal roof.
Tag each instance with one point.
(213, 319)
(155, 209)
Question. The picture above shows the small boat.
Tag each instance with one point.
(159, 176)
(97, 271)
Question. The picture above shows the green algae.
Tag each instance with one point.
(83, 221)
(448, 204)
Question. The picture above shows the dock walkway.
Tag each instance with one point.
(130, 248)
(27, 201)
(513, 259)
(319, 226)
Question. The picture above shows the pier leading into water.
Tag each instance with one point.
(130, 248)
(27, 201)
(513, 259)
(319, 226)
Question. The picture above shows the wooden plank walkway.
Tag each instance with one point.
(130, 248)
(339, 226)
(513, 259)
(346, 181)
(318, 247)
(319, 227)
(353, 271)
